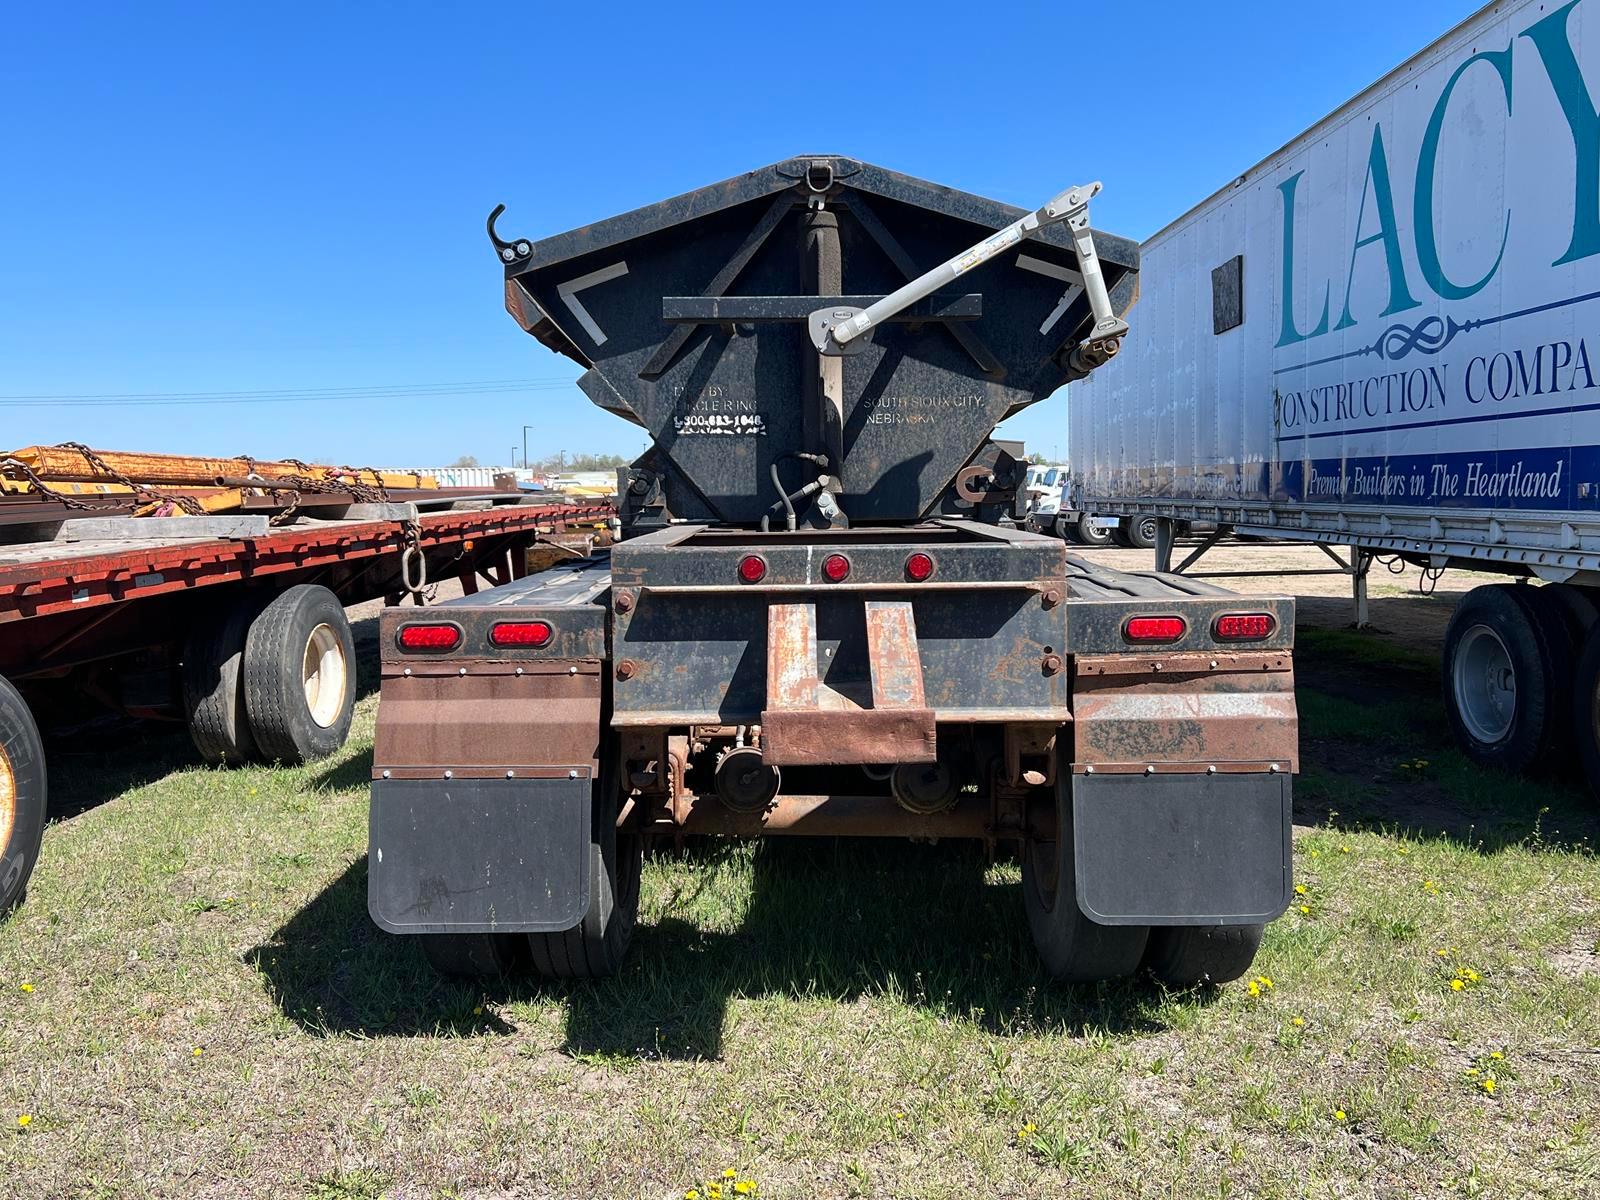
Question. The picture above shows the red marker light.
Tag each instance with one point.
(752, 568)
(1244, 627)
(520, 633)
(919, 567)
(836, 567)
(434, 638)
(1154, 629)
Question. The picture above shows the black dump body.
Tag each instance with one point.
(691, 317)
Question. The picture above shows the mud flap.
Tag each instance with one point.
(479, 855)
(1182, 849)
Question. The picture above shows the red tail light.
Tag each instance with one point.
(919, 567)
(435, 638)
(836, 567)
(520, 633)
(752, 568)
(1244, 627)
(1154, 629)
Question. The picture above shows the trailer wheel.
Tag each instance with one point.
(299, 675)
(1138, 533)
(1586, 710)
(1090, 534)
(22, 796)
(596, 948)
(1185, 956)
(1499, 678)
(1073, 948)
(475, 955)
(213, 685)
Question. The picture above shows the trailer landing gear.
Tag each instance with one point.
(22, 796)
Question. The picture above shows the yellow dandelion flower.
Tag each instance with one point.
(1344, 849)
(1339, 1114)
(1305, 909)
(1488, 1085)
(1495, 1054)
(899, 1116)
(1299, 889)
(1266, 981)
(1456, 985)
(25, 986)
(1471, 1071)
(1405, 850)
(197, 1052)
(1442, 952)
(714, 1191)
(477, 1010)
(1253, 988)
(729, 1173)
(744, 1187)
(692, 1194)
(24, 1120)
(1298, 1022)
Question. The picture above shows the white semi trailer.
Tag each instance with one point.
(1379, 338)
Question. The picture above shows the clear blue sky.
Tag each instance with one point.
(286, 198)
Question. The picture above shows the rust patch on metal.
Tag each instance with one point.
(841, 737)
(892, 655)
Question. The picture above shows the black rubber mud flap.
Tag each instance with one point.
(1182, 849)
(479, 855)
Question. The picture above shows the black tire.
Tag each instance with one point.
(1559, 613)
(277, 665)
(1066, 530)
(1185, 956)
(475, 955)
(1501, 679)
(213, 684)
(597, 946)
(1087, 534)
(1072, 948)
(1138, 532)
(1586, 711)
(23, 796)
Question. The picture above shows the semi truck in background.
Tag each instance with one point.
(1378, 338)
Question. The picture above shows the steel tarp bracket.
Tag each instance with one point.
(480, 855)
(1182, 849)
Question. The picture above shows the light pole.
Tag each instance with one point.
(525, 429)
(513, 458)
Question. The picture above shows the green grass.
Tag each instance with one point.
(830, 1019)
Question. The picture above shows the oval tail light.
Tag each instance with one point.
(521, 633)
(432, 638)
(1244, 627)
(919, 567)
(836, 568)
(1154, 629)
(752, 568)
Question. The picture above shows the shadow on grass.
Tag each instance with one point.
(837, 920)
(101, 759)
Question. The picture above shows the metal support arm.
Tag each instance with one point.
(834, 329)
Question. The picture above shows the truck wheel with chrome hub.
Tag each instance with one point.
(1090, 534)
(1073, 948)
(299, 675)
(22, 796)
(1499, 678)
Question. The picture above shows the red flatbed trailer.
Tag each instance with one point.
(240, 633)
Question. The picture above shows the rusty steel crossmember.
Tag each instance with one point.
(808, 723)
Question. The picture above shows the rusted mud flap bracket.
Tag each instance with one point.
(1182, 849)
(480, 855)
(807, 722)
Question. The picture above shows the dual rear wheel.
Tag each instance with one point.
(271, 679)
(1075, 949)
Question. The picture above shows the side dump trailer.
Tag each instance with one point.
(822, 617)
(1378, 337)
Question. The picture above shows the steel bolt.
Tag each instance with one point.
(1272, 768)
(1051, 598)
(1213, 664)
(625, 669)
(508, 254)
(407, 671)
(386, 774)
(1051, 664)
(1149, 769)
(572, 670)
(462, 671)
(1211, 770)
(1089, 770)
(572, 774)
(523, 248)
(511, 774)
(623, 602)
(449, 774)
(519, 670)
